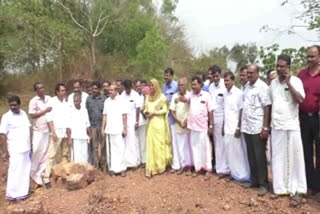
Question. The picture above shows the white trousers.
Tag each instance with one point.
(80, 153)
(201, 150)
(237, 158)
(116, 153)
(18, 176)
(132, 148)
(175, 159)
(219, 148)
(40, 145)
(183, 150)
(141, 134)
(288, 167)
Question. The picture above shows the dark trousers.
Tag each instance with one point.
(310, 139)
(256, 149)
(98, 148)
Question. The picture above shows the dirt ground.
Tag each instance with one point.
(166, 193)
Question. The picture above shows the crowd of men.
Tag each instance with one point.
(107, 128)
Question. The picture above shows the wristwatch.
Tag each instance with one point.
(265, 129)
(210, 126)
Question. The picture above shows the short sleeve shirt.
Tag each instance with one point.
(36, 105)
(79, 122)
(217, 94)
(132, 102)
(17, 129)
(181, 110)
(84, 97)
(94, 106)
(255, 98)
(114, 109)
(169, 91)
(200, 106)
(233, 103)
(285, 111)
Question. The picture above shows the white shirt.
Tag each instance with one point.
(255, 97)
(17, 129)
(181, 110)
(206, 83)
(132, 101)
(233, 103)
(84, 97)
(217, 92)
(36, 105)
(79, 122)
(114, 109)
(285, 111)
(59, 115)
(142, 120)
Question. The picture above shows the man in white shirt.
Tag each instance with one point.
(58, 121)
(38, 108)
(141, 131)
(235, 148)
(288, 169)
(80, 130)
(243, 77)
(114, 124)
(217, 90)
(15, 137)
(179, 108)
(77, 88)
(255, 124)
(131, 100)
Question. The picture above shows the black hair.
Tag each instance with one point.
(127, 83)
(169, 70)
(14, 98)
(35, 85)
(197, 78)
(244, 67)
(214, 69)
(144, 82)
(106, 82)
(285, 58)
(96, 83)
(77, 81)
(57, 88)
(229, 74)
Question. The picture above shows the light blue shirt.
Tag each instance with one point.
(169, 90)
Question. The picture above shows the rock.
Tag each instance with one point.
(226, 207)
(35, 207)
(252, 203)
(76, 181)
(14, 210)
(74, 175)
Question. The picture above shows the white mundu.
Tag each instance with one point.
(288, 167)
(40, 138)
(236, 154)
(132, 153)
(16, 127)
(114, 109)
(79, 123)
(217, 94)
(182, 154)
(141, 132)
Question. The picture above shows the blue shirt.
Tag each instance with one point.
(169, 91)
(206, 88)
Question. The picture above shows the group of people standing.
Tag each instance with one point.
(215, 127)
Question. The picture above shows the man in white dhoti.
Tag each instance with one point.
(114, 124)
(131, 100)
(288, 169)
(77, 88)
(15, 137)
(179, 109)
(141, 131)
(200, 115)
(236, 154)
(217, 90)
(58, 121)
(38, 108)
(80, 130)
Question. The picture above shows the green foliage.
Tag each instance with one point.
(243, 54)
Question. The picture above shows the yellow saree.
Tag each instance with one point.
(159, 153)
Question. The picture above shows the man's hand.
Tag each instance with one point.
(102, 131)
(183, 99)
(210, 131)
(150, 115)
(287, 77)
(48, 109)
(137, 125)
(237, 133)
(264, 134)
(54, 137)
(124, 132)
(5, 155)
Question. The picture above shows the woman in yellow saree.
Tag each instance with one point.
(159, 154)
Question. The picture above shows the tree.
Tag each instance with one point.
(243, 54)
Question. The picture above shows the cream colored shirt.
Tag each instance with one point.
(181, 109)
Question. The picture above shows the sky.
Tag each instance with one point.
(214, 23)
